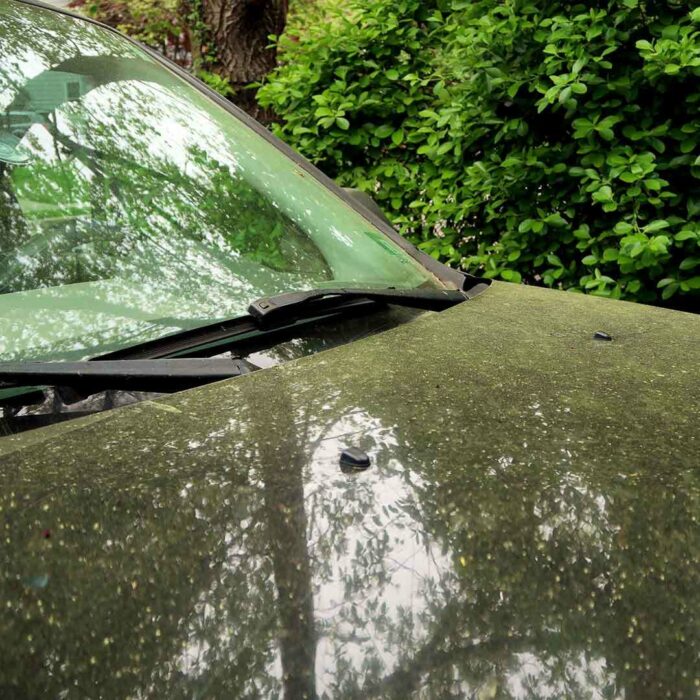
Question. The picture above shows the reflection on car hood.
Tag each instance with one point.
(527, 528)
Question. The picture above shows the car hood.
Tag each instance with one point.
(527, 528)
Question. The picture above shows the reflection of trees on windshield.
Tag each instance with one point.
(124, 219)
(247, 564)
(141, 201)
(111, 212)
(12, 224)
(148, 208)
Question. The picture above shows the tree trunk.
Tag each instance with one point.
(287, 532)
(13, 228)
(238, 44)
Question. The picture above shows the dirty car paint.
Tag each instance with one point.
(528, 526)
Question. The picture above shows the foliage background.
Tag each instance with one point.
(550, 142)
(157, 23)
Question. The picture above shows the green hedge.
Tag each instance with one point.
(551, 142)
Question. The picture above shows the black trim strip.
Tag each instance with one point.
(293, 305)
(164, 376)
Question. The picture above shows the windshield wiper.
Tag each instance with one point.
(162, 376)
(291, 306)
(282, 312)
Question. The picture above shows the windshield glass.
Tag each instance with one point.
(132, 206)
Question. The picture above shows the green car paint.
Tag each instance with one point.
(528, 527)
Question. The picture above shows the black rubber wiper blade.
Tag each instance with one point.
(162, 376)
(283, 308)
(325, 302)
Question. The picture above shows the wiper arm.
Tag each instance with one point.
(286, 309)
(163, 376)
(295, 305)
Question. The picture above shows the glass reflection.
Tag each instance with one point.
(131, 206)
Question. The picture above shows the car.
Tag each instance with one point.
(255, 444)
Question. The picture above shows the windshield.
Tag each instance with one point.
(132, 206)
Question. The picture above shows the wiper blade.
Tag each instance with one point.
(295, 305)
(316, 303)
(162, 376)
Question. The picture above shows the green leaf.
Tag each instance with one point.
(556, 219)
(669, 291)
(384, 131)
(658, 225)
(513, 89)
(578, 66)
(655, 184)
(689, 263)
(623, 228)
(603, 194)
(511, 276)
